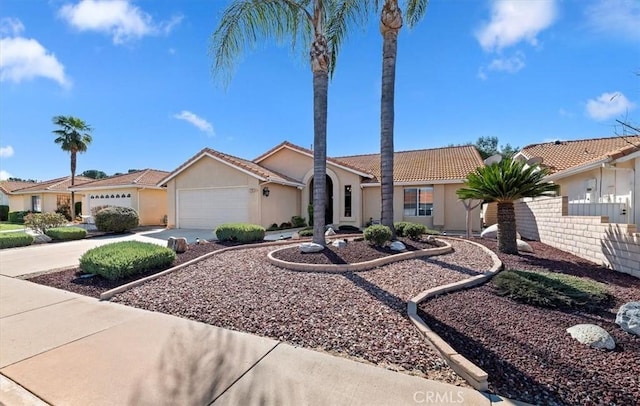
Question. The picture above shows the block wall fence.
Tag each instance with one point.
(615, 246)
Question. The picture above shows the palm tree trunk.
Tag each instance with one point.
(72, 209)
(320, 67)
(390, 24)
(507, 228)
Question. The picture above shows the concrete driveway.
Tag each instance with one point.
(44, 257)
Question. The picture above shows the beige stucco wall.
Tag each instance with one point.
(282, 203)
(49, 201)
(152, 206)
(448, 212)
(208, 173)
(287, 162)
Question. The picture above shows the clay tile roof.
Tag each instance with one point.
(142, 178)
(8, 186)
(336, 161)
(54, 185)
(449, 163)
(562, 155)
(240, 163)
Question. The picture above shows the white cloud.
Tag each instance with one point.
(118, 18)
(513, 21)
(620, 18)
(198, 122)
(509, 65)
(6, 152)
(608, 105)
(4, 175)
(25, 58)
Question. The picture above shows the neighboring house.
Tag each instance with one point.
(597, 175)
(213, 188)
(8, 186)
(45, 196)
(137, 190)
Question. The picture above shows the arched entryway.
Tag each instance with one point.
(328, 208)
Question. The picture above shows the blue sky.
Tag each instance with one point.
(139, 73)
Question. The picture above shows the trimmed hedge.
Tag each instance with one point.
(240, 232)
(377, 234)
(11, 240)
(17, 217)
(66, 233)
(306, 232)
(4, 212)
(125, 258)
(401, 227)
(116, 219)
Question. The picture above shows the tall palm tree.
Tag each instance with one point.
(390, 25)
(73, 136)
(320, 25)
(505, 182)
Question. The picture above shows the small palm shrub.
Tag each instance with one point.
(125, 258)
(298, 221)
(116, 219)
(306, 232)
(377, 234)
(66, 233)
(41, 222)
(240, 232)
(549, 289)
(11, 240)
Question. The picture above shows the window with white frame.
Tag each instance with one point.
(418, 201)
(36, 204)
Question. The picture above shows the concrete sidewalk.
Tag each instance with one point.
(68, 349)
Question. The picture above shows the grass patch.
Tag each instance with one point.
(5, 226)
(125, 258)
(11, 240)
(549, 289)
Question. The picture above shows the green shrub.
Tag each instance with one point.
(96, 209)
(273, 227)
(377, 234)
(19, 239)
(285, 225)
(298, 221)
(349, 228)
(240, 232)
(399, 226)
(125, 258)
(65, 210)
(310, 213)
(306, 232)
(41, 222)
(4, 212)
(548, 289)
(116, 219)
(66, 233)
(414, 231)
(17, 217)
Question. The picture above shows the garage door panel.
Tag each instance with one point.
(208, 208)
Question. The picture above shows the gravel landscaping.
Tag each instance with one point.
(526, 350)
(361, 315)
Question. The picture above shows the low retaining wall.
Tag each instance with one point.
(615, 246)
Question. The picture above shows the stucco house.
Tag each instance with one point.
(212, 188)
(138, 190)
(7, 187)
(46, 196)
(600, 176)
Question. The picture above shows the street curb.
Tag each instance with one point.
(474, 375)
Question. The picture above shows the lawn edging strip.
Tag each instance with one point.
(359, 266)
(474, 375)
(111, 293)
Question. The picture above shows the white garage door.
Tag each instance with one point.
(110, 199)
(208, 208)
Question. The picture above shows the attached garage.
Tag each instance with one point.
(210, 207)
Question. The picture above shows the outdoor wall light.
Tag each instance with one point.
(265, 192)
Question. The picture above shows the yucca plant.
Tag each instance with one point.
(505, 182)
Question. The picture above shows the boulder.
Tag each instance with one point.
(397, 246)
(592, 335)
(310, 247)
(491, 233)
(339, 243)
(295, 236)
(330, 231)
(41, 239)
(178, 245)
(523, 246)
(628, 317)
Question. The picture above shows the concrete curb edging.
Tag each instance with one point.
(111, 293)
(360, 266)
(473, 374)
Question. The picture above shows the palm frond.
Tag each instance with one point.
(341, 15)
(246, 22)
(415, 10)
